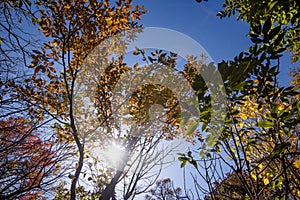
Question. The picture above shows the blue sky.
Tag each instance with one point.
(221, 38)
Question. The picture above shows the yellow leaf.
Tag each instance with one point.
(227, 157)
(281, 107)
(297, 164)
(46, 33)
(243, 116)
(55, 44)
(106, 4)
(251, 150)
(253, 176)
(266, 181)
(268, 82)
(51, 109)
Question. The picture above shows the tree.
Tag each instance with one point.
(29, 164)
(50, 94)
(259, 141)
(143, 139)
(47, 91)
(164, 189)
(71, 30)
(30, 160)
(15, 47)
(285, 14)
(74, 29)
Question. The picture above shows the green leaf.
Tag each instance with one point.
(194, 163)
(265, 124)
(280, 50)
(211, 140)
(278, 149)
(256, 40)
(183, 158)
(182, 122)
(192, 128)
(183, 164)
(204, 125)
(274, 111)
(267, 26)
(238, 86)
(272, 4)
(202, 154)
(286, 115)
(279, 39)
(274, 32)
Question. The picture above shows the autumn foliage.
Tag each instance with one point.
(26, 159)
(46, 127)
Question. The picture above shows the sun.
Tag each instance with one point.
(115, 155)
(112, 154)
